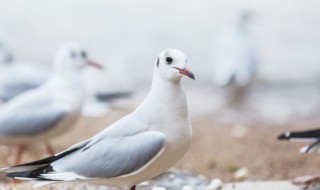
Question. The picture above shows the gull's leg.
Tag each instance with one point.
(6, 152)
(19, 151)
(49, 149)
(133, 188)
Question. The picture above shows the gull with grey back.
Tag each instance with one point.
(17, 77)
(138, 147)
(49, 110)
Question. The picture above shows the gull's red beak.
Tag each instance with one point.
(186, 72)
(94, 64)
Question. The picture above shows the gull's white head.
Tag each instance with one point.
(171, 65)
(72, 58)
(242, 16)
(6, 55)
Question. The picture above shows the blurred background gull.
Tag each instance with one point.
(235, 59)
(17, 77)
(50, 109)
(126, 35)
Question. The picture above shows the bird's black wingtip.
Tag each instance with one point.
(284, 136)
(16, 174)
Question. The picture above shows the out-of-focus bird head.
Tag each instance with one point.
(241, 17)
(73, 58)
(171, 65)
(6, 55)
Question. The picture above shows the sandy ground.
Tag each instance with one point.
(217, 151)
(271, 185)
(276, 185)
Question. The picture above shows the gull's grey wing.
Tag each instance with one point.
(18, 78)
(8, 92)
(30, 117)
(111, 157)
(109, 97)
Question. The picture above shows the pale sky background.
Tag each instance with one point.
(127, 35)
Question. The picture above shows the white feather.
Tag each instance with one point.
(64, 176)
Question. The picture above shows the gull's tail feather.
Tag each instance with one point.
(301, 135)
(45, 175)
(36, 164)
(31, 174)
(108, 97)
(41, 171)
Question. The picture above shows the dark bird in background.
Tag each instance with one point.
(312, 136)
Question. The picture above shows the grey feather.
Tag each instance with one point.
(18, 78)
(113, 157)
(29, 117)
(8, 92)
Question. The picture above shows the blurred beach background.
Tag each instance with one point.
(127, 36)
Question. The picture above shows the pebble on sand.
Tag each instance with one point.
(188, 187)
(215, 184)
(241, 174)
(158, 188)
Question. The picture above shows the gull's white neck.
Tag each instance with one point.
(165, 99)
(69, 88)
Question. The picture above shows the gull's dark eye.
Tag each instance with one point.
(84, 54)
(169, 60)
(73, 54)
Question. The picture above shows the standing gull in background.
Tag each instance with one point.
(138, 147)
(49, 110)
(235, 58)
(17, 77)
(313, 136)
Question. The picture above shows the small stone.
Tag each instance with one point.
(172, 176)
(145, 183)
(158, 188)
(241, 174)
(215, 184)
(187, 187)
(239, 131)
(202, 177)
(178, 182)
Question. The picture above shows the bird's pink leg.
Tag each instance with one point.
(19, 150)
(49, 149)
(133, 188)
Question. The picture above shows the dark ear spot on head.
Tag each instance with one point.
(8, 59)
(83, 54)
(158, 62)
(73, 54)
